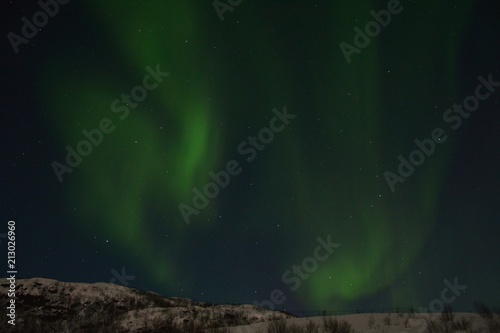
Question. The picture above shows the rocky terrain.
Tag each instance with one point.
(44, 305)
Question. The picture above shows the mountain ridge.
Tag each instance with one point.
(47, 305)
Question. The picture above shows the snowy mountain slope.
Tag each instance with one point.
(45, 305)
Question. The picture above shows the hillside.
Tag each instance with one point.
(45, 305)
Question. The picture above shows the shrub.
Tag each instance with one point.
(337, 326)
(483, 310)
(371, 321)
(447, 315)
(411, 311)
(406, 323)
(462, 324)
(294, 328)
(493, 325)
(434, 326)
(277, 326)
(444, 325)
(311, 327)
(387, 320)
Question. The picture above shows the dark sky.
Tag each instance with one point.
(316, 133)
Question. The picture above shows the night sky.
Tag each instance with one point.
(303, 125)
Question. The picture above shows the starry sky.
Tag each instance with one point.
(305, 124)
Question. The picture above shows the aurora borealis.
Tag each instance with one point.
(322, 174)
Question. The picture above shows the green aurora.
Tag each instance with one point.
(192, 123)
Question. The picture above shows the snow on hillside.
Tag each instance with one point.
(47, 305)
